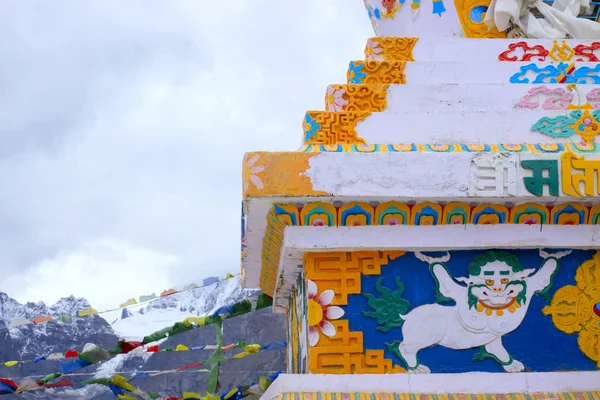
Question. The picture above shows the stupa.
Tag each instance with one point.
(436, 235)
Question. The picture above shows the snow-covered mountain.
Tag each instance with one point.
(131, 323)
(28, 341)
(140, 321)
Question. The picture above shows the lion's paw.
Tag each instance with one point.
(514, 366)
(419, 369)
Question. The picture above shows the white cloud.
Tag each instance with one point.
(130, 120)
(106, 272)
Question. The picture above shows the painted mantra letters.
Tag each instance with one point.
(575, 172)
(571, 179)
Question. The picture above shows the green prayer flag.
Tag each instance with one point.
(263, 301)
(50, 377)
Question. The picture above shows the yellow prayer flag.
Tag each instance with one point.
(228, 276)
(122, 382)
(129, 302)
(200, 321)
(250, 349)
(89, 311)
(231, 393)
(191, 395)
(181, 347)
(126, 397)
(11, 363)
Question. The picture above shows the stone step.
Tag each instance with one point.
(401, 72)
(486, 127)
(481, 50)
(458, 97)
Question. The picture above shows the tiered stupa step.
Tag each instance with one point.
(425, 92)
(478, 50)
(453, 127)
(457, 98)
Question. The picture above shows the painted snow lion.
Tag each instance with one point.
(492, 302)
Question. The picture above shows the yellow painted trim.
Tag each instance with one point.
(390, 48)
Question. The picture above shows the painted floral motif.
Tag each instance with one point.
(373, 51)
(310, 127)
(584, 123)
(251, 173)
(355, 73)
(320, 313)
(577, 308)
(388, 10)
(335, 99)
(554, 99)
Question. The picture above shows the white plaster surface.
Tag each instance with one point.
(475, 50)
(404, 176)
(426, 24)
(441, 237)
(474, 72)
(490, 127)
(387, 174)
(466, 97)
(470, 383)
(256, 225)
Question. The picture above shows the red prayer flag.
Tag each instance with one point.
(152, 349)
(60, 383)
(9, 383)
(168, 292)
(126, 347)
(71, 354)
(41, 318)
(193, 365)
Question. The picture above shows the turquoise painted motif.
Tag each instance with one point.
(557, 73)
(564, 126)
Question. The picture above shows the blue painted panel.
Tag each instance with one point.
(537, 343)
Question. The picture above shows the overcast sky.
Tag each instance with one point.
(123, 124)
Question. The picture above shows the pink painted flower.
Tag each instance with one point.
(320, 312)
(335, 99)
(373, 51)
(252, 171)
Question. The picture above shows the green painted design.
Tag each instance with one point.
(535, 183)
(319, 210)
(392, 210)
(439, 297)
(522, 296)
(393, 348)
(545, 292)
(471, 298)
(457, 211)
(388, 308)
(483, 354)
(531, 210)
(491, 256)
